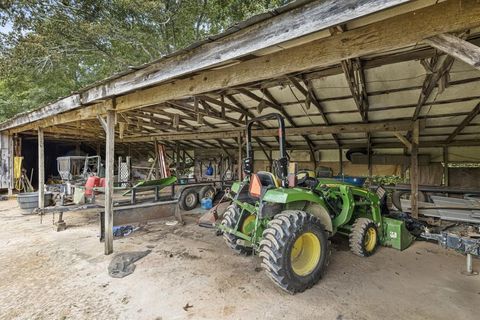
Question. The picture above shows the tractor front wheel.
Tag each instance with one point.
(230, 219)
(295, 250)
(363, 238)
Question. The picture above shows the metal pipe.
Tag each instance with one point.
(469, 264)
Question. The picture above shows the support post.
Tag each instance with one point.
(414, 169)
(41, 169)
(11, 155)
(445, 166)
(109, 163)
(340, 161)
(239, 157)
(369, 154)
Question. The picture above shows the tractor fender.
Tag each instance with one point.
(319, 211)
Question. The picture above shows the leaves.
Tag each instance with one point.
(53, 47)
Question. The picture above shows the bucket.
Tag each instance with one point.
(29, 200)
(206, 203)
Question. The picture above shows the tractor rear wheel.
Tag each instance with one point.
(295, 250)
(230, 219)
(363, 238)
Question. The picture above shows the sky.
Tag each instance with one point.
(6, 28)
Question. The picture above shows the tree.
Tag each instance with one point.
(55, 47)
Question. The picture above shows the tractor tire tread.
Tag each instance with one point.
(230, 218)
(356, 237)
(282, 230)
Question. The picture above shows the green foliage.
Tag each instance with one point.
(55, 47)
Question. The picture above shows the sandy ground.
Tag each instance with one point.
(63, 275)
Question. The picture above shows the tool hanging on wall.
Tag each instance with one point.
(22, 183)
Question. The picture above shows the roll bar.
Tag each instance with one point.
(283, 161)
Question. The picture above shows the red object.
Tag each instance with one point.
(102, 182)
(92, 182)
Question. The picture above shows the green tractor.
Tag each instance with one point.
(289, 224)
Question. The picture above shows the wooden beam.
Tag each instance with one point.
(109, 176)
(414, 178)
(340, 161)
(310, 94)
(457, 48)
(240, 160)
(41, 169)
(436, 71)
(475, 112)
(389, 126)
(404, 140)
(350, 70)
(445, 167)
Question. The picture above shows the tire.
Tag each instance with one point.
(207, 192)
(188, 199)
(291, 269)
(363, 238)
(230, 219)
(350, 152)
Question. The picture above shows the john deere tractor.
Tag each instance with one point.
(288, 222)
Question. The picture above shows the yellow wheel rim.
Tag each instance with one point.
(248, 225)
(370, 239)
(305, 254)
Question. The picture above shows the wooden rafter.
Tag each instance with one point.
(436, 70)
(310, 95)
(475, 112)
(456, 47)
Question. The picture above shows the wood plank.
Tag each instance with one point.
(457, 48)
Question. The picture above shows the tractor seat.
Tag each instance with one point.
(268, 179)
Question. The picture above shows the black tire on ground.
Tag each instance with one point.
(363, 238)
(188, 199)
(230, 219)
(282, 262)
(207, 192)
(398, 194)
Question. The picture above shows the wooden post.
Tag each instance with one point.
(340, 160)
(445, 166)
(239, 157)
(414, 169)
(11, 155)
(41, 169)
(109, 163)
(369, 154)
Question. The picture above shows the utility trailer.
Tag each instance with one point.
(189, 194)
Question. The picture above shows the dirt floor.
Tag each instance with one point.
(191, 274)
